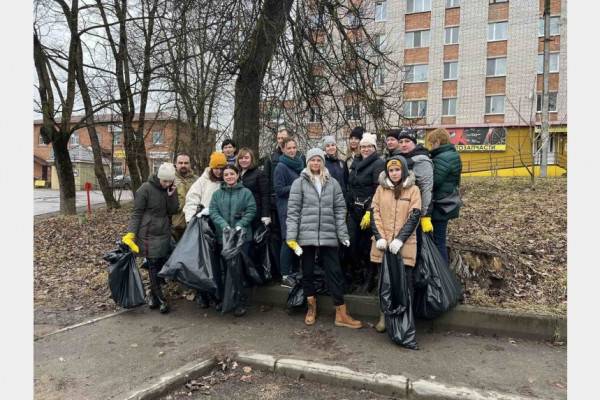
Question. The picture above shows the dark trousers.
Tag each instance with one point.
(330, 262)
(275, 238)
(154, 266)
(360, 243)
(440, 228)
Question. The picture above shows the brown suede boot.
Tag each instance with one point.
(311, 313)
(380, 327)
(343, 319)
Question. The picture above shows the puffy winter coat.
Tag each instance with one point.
(256, 181)
(315, 219)
(232, 206)
(390, 216)
(283, 179)
(183, 183)
(338, 170)
(200, 193)
(447, 167)
(151, 219)
(420, 162)
(363, 179)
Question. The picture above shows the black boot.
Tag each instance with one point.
(156, 290)
(202, 300)
(152, 301)
(240, 311)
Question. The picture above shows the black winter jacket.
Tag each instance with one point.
(338, 170)
(258, 183)
(364, 179)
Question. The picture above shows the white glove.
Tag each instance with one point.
(238, 228)
(204, 212)
(346, 243)
(381, 244)
(298, 251)
(395, 246)
(265, 220)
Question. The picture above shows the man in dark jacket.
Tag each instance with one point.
(149, 231)
(447, 168)
(362, 183)
(392, 143)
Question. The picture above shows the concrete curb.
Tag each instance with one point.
(390, 385)
(80, 324)
(463, 318)
(173, 379)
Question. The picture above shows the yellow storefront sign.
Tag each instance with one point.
(119, 154)
(480, 147)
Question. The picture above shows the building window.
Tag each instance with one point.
(449, 107)
(353, 19)
(496, 67)
(74, 139)
(417, 39)
(451, 70)
(380, 11)
(497, 31)
(498, 1)
(452, 3)
(553, 63)
(352, 112)
(117, 169)
(494, 104)
(315, 114)
(415, 6)
(41, 140)
(158, 137)
(379, 42)
(551, 102)
(415, 109)
(416, 73)
(554, 26)
(379, 76)
(451, 35)
(116, 133)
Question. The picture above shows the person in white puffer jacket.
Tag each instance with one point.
(201, 191)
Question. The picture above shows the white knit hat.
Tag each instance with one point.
(166, 172)
(369, 139)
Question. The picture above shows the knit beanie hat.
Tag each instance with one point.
(166, 172)
(408, 134)
(315, 151)
(357, 132)
(397, 161)
(217, 160)
(395, 133)
(328, 140)
(369, 139)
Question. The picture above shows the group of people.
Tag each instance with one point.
(340, 214)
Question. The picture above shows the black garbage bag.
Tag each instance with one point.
(395, 301)
(251, 275)
(264, 252)
(193, 261)
(296, 297)
(124, 279)
(439, 289)
(233, 240)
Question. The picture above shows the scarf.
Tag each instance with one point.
(295, 163)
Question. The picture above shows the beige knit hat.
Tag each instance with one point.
(369, 139)
(166, 172)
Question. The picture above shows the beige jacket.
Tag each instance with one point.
(200, 193)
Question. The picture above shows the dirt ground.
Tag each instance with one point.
(251, 384)
(522, 226)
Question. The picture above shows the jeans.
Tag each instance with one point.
(287, 258)
(330, 261)
(439, 236)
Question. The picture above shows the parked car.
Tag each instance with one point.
(121, 182)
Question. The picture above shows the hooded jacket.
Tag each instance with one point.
(200, 194)
(313, 218)
(396, 218)
(232, 206)
(420, 162)
(151, 219)
(447, 167)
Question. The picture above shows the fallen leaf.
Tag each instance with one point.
(247, 370)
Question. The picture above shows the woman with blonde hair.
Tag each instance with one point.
(316, 224)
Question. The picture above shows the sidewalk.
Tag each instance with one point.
(112, 357)
(48, 201)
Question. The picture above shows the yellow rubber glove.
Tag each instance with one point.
(426, 225)
(366, 221)
(292, 244)
(128, 239)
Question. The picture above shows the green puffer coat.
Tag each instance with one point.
(151, 219)
(232, 206)
(447, 167)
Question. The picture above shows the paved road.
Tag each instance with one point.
(114, 356)
(48, 200)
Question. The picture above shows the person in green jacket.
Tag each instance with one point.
(447, 168)
(233, 207)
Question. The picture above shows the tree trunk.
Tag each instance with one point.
(258, 53)
(64, 171)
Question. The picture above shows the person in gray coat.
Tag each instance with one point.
(149, 230)
(316, 223)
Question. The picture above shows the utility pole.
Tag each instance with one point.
(545, 92)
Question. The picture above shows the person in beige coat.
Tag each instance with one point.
(396, 210)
